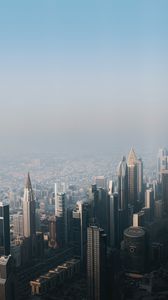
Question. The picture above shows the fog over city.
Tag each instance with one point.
(83, 150)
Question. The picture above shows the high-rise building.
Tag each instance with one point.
(7, 287)
(101, 209)
(96, 263)
(80, 220)
(149, 201)
(18, 224)
(162, 162)
(16, 252)
(110, 187)
(61, 229)
(122, 196)
(52, 232)
(92, 200)
(123, 184)
(135, 247)
(158, 209)
(98, 201)
(4, 229)
(29, 227)
(155, 187)
(140, 179)
(132, 178)
(113, 221)
(38, 245)
(60, 204)
(164, 179)
(147, 215)
(55, 193)
(138, 219)
(100, 182)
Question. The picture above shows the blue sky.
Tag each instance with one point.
(82, 68)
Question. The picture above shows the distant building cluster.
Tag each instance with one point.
(113, 235)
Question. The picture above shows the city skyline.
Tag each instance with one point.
(93, 234)
(84, 150)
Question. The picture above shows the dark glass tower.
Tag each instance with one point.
(4, 229)
(80, 220)
(52, 232)
(164, 178)
(7, 287)
(96, 263)
(123, 184)
(122, 197)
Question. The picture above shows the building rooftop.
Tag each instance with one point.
(134, 232)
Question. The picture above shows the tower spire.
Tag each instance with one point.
(28, 182)
(132, 158)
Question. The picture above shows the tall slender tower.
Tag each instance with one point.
(52, 232)
(29, 227)
(4, 229)
(162, 162)
(140, 179)
(123, 184)
(122, 197)
(164, 180)
(132, 178)
(113, 221)
(55, 192)
(61, 223)
(80, 220)
(96, 263)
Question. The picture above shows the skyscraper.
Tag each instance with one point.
(140, 179)
(60, 204)
(138, 219)
(162, 162)
(149, 202)
(4, 229)
(132, 178)
(135, 247)
(18, 224)
(52, 232)
(122, 198)
(100, 182)
(123, 184)
(102, 208)
(7, 290)
(92, 199)
(80, 219)
(55, 193)
(110, 187)
(96, 263)
(61, 230)
(113, 221)
(28, 210)
(164, 179)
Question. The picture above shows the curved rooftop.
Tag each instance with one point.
(134, 232)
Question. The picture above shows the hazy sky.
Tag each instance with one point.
(83, 72)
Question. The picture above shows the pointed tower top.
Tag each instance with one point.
(122, 167)
(132, 159)
(28, 182)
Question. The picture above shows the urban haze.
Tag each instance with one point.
(84, 150)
